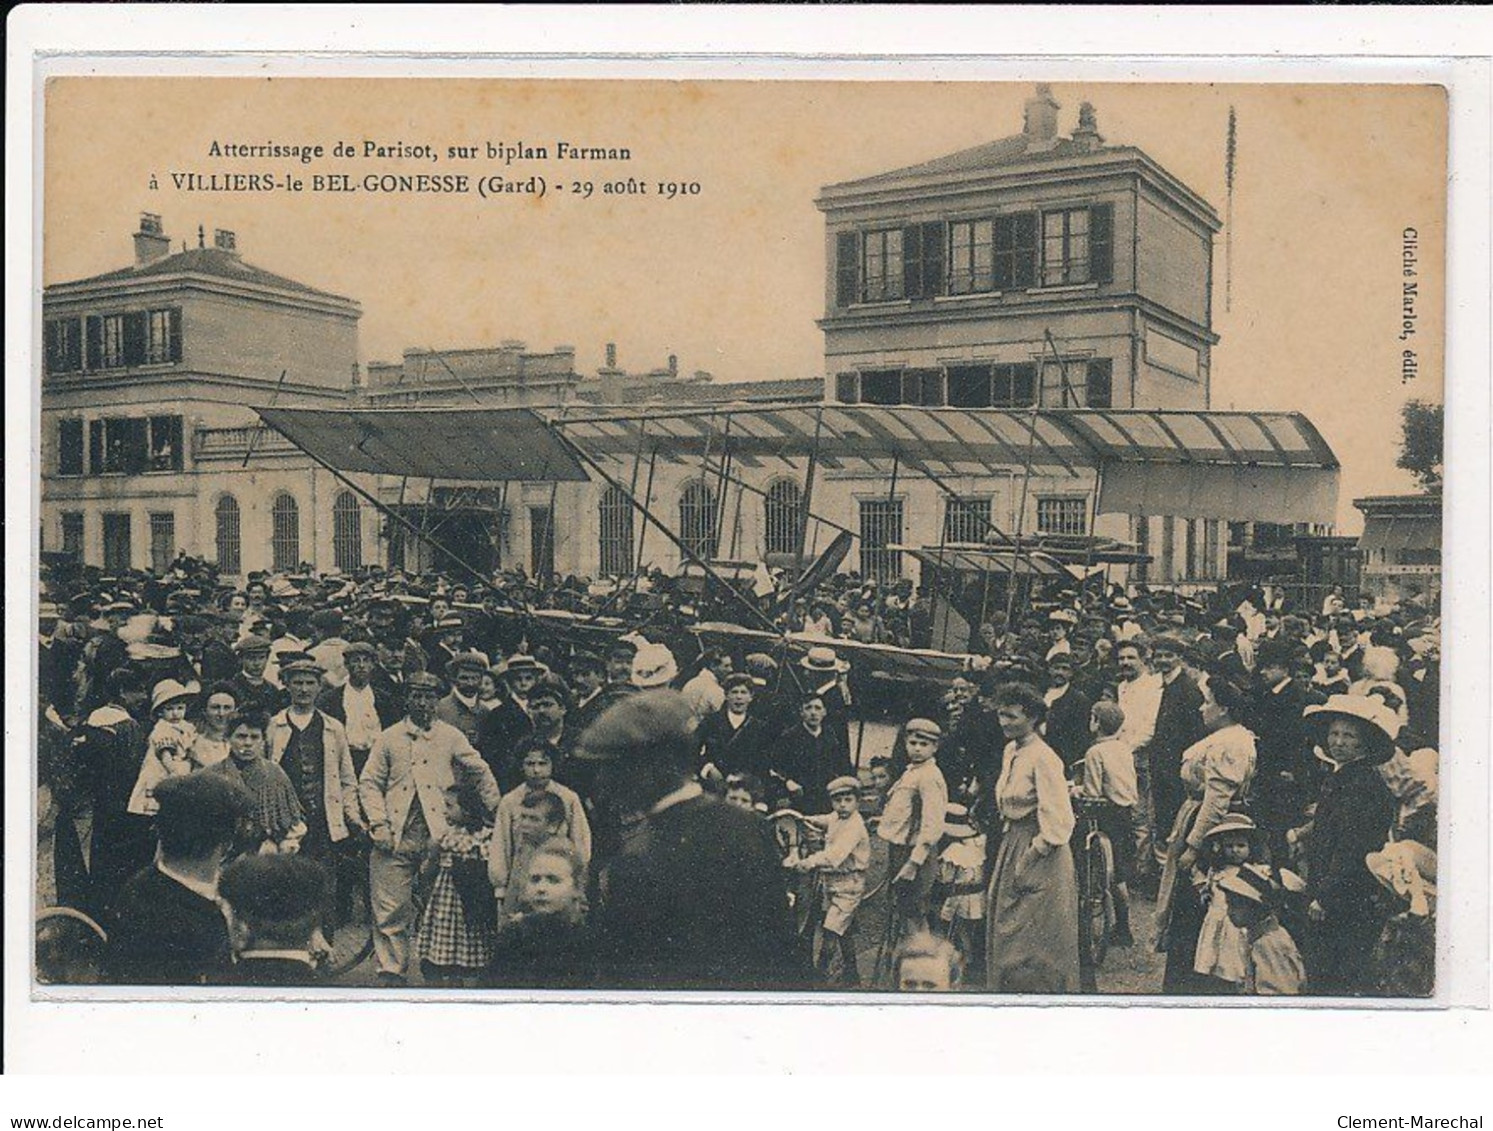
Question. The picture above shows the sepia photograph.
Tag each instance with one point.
(833, 538)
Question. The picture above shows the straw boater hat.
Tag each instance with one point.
(653, 666)
(169, 690)
(822, 659)
(1381, 725)
(512, 665)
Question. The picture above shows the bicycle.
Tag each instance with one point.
(1095, 861)
(351, 943)
(797, 837)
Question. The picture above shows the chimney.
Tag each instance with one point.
(151, 241)
(673, 366)
(1040, 121)
(611, 355)
(1087, 136)
(224, 240)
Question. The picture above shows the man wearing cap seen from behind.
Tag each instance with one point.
(414, 769)
(699, 901)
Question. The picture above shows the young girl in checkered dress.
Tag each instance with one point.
(458, 925)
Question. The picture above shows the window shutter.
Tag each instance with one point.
(70, 447)
(934, 240)
(912, 261)
(95, 446)
(847, 268)
(1099, 384)
(1102, 243)
(136, 334)
(95, 342)
(1025, 229)
(175, 347)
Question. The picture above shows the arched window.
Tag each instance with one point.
(616, 533)
(285, 533)
(230, 553)
(347, 532)
(697, 519)
(783, 517)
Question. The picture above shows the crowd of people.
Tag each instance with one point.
(228, 771)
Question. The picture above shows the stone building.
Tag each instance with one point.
(148, 447)
(1042, 269)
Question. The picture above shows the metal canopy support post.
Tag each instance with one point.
(803, 524)
(399, 518)
(648, 499)
(679, 544)
(254, 435)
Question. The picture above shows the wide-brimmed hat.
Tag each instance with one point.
(169, 690)
(821, 659)
(1382, 724)
(470, 660)
(956, 822)
(654, 666)
(1407, 868)
(1232, 823)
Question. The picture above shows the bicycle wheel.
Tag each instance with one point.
(352, 941)
(1094, 905)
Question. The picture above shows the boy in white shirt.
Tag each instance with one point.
(842, 864)
(1109, 776)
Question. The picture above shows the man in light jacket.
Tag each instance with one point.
(413, 769)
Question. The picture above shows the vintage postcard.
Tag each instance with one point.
(614, 536)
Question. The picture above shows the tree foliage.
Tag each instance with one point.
(1420, 443)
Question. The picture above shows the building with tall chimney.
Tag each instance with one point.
(1064, 271)
(148, 446)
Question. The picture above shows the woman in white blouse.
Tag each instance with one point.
(1216, 773)
(1032, 933)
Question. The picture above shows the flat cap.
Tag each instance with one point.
(252, 643)
(845, 784)
(647, 725)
